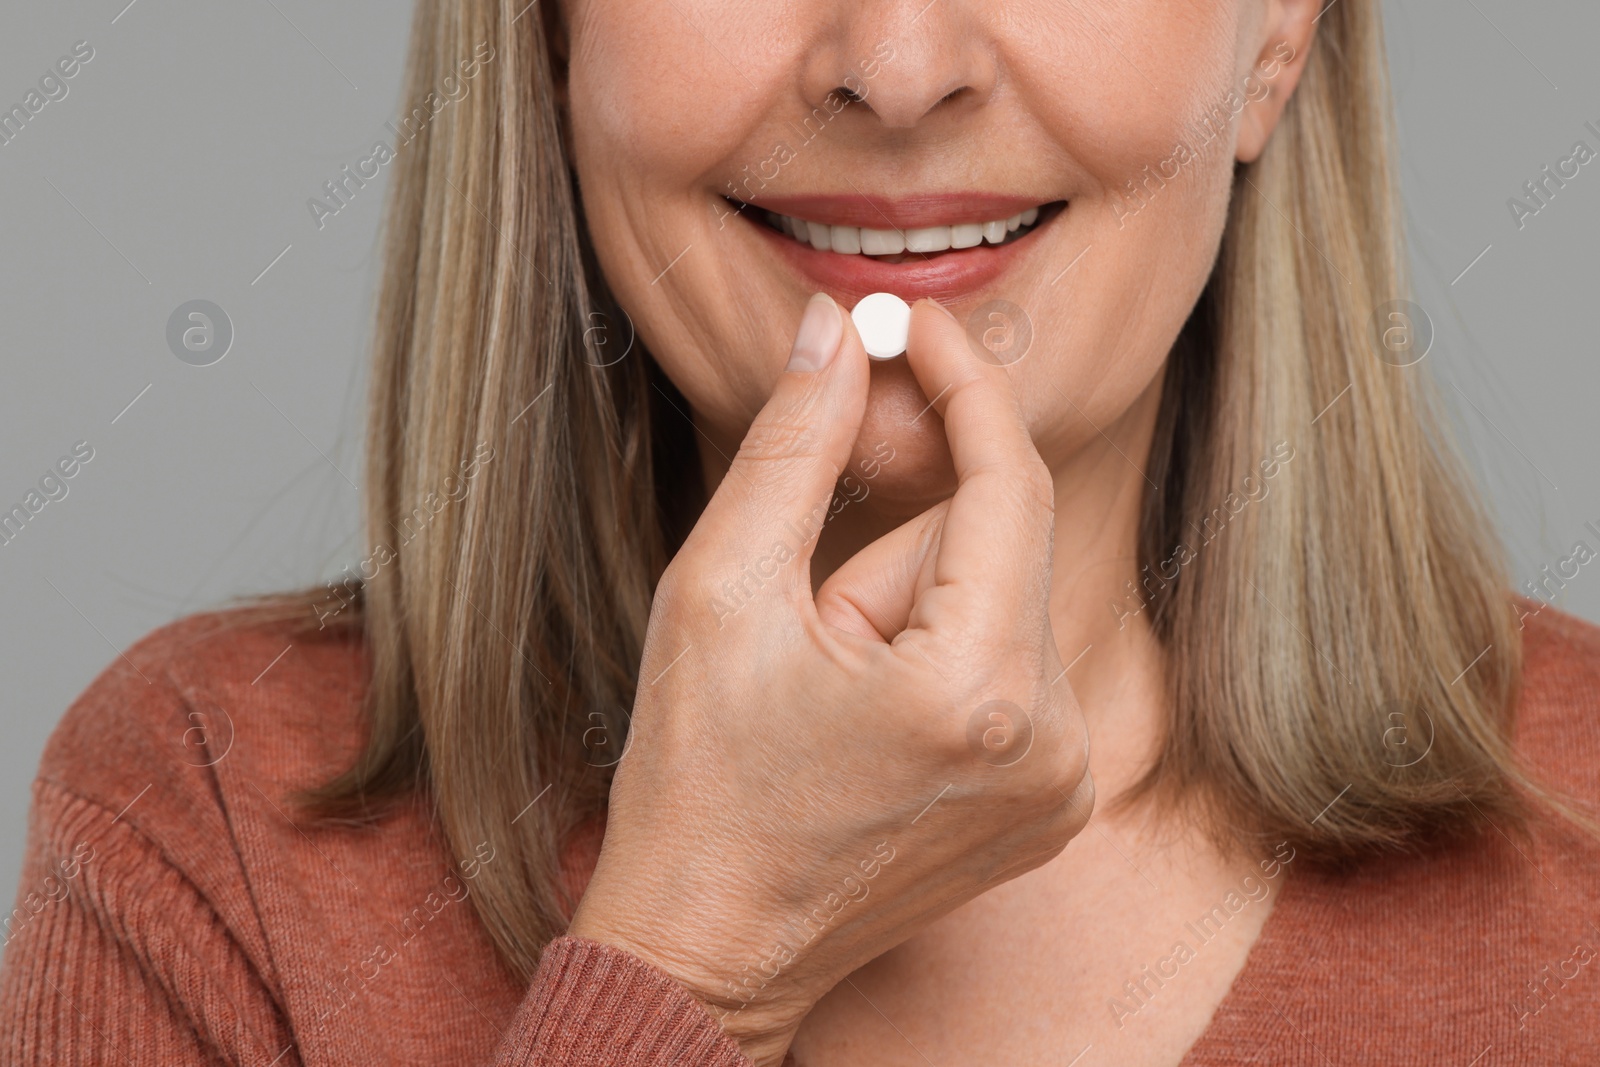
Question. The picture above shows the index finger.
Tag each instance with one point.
(998, 532)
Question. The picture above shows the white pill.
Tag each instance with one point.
(883, 320)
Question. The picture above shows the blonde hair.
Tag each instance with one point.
(505, 634)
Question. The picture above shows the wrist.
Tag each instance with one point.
(761, 1014)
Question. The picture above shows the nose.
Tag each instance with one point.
(903, 60)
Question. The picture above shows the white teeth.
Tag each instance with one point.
(967, 235)
(856, 240)
(928, 239)
(882, 242)
(847, 239)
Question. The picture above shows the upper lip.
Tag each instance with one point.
(898, 213)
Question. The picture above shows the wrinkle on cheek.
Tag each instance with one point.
(656, 110)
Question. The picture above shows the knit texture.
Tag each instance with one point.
(171, 912)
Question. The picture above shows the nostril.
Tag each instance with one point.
(849, 94)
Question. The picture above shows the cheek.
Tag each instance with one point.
(1127, 91)
(668, 100)
(666, 95)
(1118, 83)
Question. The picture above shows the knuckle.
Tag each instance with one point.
(1037, 487)
(1079, 803)
(1022, 484)
(1070, 744)
(674, 579)
(778, 441)
(666, 613)
(1074, 739)
(1065, 739)
(681, 586)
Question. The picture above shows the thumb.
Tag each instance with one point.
(778, 491)
(871, 595)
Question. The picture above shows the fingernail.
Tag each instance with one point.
(821, 329)
(947, 312)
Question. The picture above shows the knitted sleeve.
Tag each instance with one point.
(592, 1005)
(113, 956)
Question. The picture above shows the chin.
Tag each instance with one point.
(901, 454)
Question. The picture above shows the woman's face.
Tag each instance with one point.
(1113, 124)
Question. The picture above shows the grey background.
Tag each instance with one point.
(178, 168)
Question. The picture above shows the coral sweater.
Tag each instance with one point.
(171, 913)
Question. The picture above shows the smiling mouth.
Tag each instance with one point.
(910, 244)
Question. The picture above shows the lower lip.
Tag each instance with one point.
(946, 276)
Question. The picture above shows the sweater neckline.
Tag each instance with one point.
(1244, 1006)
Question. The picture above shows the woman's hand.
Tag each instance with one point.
(812, 779)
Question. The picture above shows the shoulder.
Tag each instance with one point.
(172, 769)
(213, 695)
(1557, 726)
(1447, 950)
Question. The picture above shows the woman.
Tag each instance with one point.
(714, 694)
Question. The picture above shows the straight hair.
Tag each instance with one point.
(504, 637)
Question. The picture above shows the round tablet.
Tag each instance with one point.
(883, 320)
